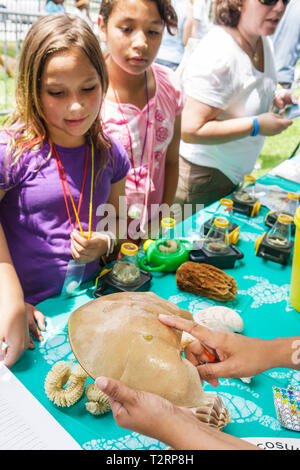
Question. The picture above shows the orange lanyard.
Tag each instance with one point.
(64, 182)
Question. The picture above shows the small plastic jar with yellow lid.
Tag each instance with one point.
(126, 269)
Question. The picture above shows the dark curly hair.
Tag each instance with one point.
(227, 12)
(165, 8)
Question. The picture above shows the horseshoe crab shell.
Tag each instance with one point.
(119, 336)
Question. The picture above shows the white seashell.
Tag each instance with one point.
(220, 317)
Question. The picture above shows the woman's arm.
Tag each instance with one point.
(200, 124)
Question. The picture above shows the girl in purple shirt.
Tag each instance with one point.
(57, 167)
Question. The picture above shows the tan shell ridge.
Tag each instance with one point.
(212, 411)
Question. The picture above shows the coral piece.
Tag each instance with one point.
(119, 336)
(57, 378)
(98, 401)
(206, 280)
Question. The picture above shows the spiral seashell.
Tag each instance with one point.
(57, 378)
(212, 412)
(98, 402)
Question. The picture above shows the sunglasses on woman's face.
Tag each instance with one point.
(272, 2)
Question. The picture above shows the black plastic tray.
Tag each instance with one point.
(222, 261)
(108, 285)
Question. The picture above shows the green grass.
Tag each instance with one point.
(11, 49)
(278, 148)
(10, 94)
(11, 52)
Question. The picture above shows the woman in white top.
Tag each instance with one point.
(229, 80)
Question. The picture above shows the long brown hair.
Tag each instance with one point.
(49, 35)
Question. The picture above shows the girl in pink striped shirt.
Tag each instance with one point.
(143, 104)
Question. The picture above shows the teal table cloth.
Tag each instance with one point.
(263, 303)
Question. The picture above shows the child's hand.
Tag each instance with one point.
(36, 321)
(14, 332)
(84, 250)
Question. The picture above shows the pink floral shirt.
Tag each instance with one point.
(147, 180)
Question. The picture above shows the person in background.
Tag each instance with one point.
(234, 356)
(172, 46)
(287, 44)
(143, 104)
(83, 10)
(229, 80)
(55, 6)
(201, 21)
(199, 11)
(57, 167)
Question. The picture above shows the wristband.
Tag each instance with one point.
(255, 127)
(111, 242)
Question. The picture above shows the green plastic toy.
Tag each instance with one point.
(165, 254)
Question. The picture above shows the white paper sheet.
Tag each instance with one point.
(24, 423)
(274, 443)
(289, 169)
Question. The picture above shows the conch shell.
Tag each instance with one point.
(119, 336)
